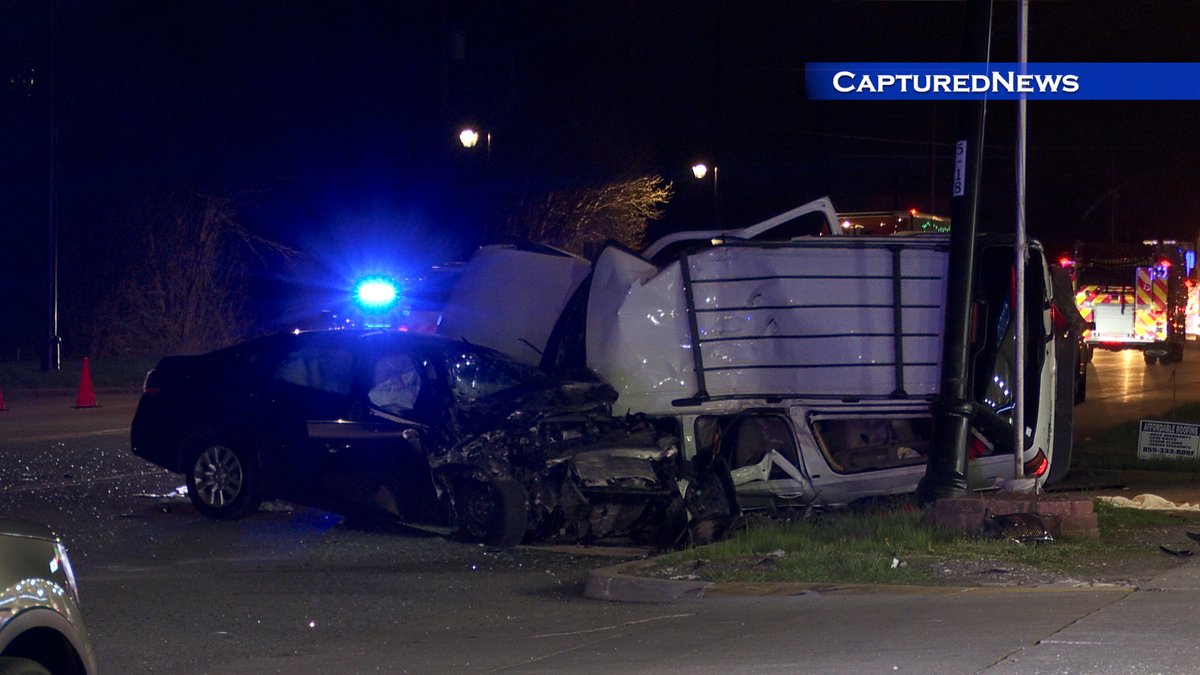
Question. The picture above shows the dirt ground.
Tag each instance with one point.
(1133, 555)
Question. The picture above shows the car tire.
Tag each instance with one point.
(492, 512)
(669, 528)
(12, 665)
(1150, 358)
(713, 488)
(221, 481)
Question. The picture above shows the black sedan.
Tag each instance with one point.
(422, 430)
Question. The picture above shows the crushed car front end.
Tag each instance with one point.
(586, 474)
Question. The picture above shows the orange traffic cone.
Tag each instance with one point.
(87, 393)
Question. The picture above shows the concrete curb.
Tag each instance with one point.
(610, 584)
(614, 584)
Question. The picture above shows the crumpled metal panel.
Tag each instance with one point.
(638, 339)
(805, 320)
(792, 319)
(620, 467)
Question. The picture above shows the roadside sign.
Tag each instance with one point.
(1168, 440)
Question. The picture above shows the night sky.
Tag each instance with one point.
(334, 124)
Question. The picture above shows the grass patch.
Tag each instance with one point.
(1115, 448)
(124, 372)
(897, 548)
(1114, 518)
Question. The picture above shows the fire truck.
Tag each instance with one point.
(1135, 296)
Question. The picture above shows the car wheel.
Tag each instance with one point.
(220, 482)
(712, 501)
(11, 665)
(1150, 358)
(673, 524)
(492, 512)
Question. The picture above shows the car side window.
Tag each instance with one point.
(325, 369)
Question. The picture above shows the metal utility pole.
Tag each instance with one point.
(1021, 254)
(53, 360)
(946, 472)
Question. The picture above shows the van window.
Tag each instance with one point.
(856, 444)
(745, 439)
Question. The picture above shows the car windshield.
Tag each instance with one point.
(480, 375)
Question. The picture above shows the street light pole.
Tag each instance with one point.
(946, 470)
(53, 360)
(700, 170)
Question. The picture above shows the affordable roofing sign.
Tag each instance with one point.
(1003, 81)
(1168, 440)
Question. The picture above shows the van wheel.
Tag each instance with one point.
(221, 481)
(493, 512)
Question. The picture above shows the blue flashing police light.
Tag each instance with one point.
(375, 294)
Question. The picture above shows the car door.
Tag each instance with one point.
(373, 459)
(311, 382)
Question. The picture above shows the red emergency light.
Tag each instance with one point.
(1065, 262)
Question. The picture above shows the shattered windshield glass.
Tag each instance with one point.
(475, 376)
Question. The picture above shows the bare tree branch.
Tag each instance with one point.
(185, 292)
(581, 219)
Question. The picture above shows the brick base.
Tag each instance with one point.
(1063, 516)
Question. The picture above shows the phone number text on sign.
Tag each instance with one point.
(1168, 440)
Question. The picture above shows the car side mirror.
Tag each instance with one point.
(412, 437)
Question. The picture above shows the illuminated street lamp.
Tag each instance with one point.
(700, 170)
(470, 138)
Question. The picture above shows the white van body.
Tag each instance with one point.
(810, 364)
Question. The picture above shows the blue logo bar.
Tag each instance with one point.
(1003, 81)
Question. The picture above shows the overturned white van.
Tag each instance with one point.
(806, 364)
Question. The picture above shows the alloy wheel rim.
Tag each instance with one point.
(218, 476)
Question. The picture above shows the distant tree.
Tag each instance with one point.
(579, 220)
(183, 289)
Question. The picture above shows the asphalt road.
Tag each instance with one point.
(296, 591)
(1122, 387)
